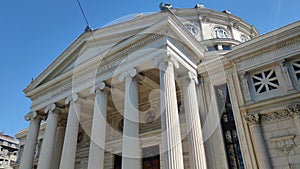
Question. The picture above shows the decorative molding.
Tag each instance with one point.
(253, 118)
(284, 144)
(276, 116)
(294, 109)
(289, 112)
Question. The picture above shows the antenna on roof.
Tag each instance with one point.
(87, 28)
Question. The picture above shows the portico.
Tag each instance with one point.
(102, 89)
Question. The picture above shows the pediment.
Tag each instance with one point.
(113, 39)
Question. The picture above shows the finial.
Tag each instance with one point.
(165, 6)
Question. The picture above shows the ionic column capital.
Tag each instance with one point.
(53, 109)
(34, 115)
(128, 75)
(164, 61)
(100, 88)
(187, 77)
(74, 98)
(253, 118)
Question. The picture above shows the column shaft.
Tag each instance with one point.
(30, 143)
(48, 141)
(59, 141)
(70, 142)
(195, 137)
(97, 145)
(131, 147)
(171, 137)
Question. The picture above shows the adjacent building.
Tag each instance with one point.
(8, 151)
(177, 89)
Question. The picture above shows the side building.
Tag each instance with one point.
(8, 151)
(177, 89)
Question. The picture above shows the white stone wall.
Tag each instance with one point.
(278, 157)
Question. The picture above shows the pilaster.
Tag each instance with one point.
(258, 141)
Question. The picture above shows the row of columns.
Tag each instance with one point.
(131, 150)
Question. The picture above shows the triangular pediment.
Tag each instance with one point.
(113, 39)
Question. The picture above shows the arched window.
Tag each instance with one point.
(220, 33)
(244, 38)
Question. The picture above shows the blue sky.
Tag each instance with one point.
(33, 33)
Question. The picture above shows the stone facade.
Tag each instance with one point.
(181, 88)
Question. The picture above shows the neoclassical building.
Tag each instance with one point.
(177, 89)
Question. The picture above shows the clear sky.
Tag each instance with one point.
(34, 32)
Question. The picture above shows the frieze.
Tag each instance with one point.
(288, 113)
(253, 118)
(276, 116)
(294, 109)
(291, 43)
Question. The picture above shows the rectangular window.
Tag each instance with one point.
(230, 136)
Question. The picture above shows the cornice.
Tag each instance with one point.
(269, 103)
(290, 43)
(277, 39)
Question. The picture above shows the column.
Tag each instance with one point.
(131, 152)
(258, 141)
(195, 137)
(59, 141)
(97, 146)
(70, 141)
(31, 138)
(171, 137)
(49, 137)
